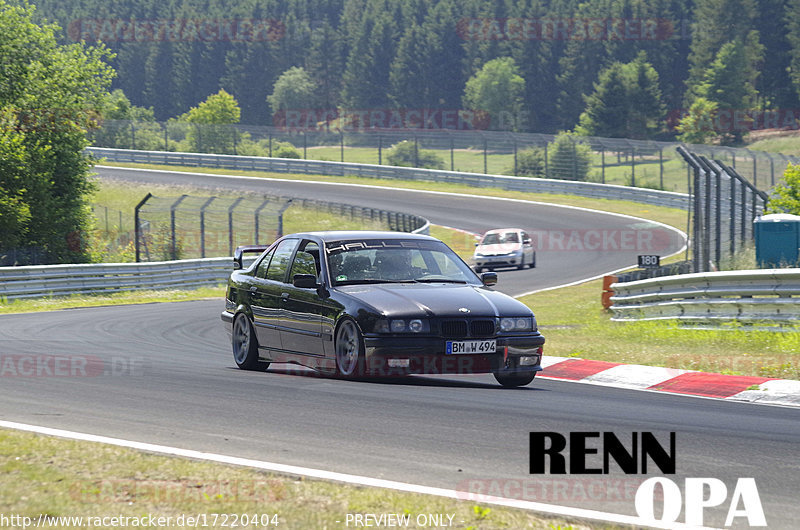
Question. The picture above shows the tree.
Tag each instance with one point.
(792, 18)
(293, 90)
(786, 196)
(570, 158)
(607, 108)
(212, 119)
(729, 83)
(497, 88)
(49, 99)
(698, 125)
(715, 22)
(126, 126)
(626, 102)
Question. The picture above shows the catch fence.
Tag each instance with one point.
(638, 163)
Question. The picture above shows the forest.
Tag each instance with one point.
(619, 68)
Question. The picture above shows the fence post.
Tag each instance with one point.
(270, 145)
(133, 136)
(257, 215)
(174, 249)
(280, 218)
(602, 164)
(485, 154)
(166, 138)
(661, 167)
(136, 228)
(380, 151)
(732, 227)
(452, 160)
(341, 145)
(515, 156)
(203, 227)
(230, 223)
(305, 146)
(546, 167)
(416, 151)
(633, 166)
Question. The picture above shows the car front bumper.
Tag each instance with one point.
(497, 261)
(426, 355)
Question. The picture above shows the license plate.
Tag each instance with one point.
(471, 346)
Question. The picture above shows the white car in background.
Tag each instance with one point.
(504, 247)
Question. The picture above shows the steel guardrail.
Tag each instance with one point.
(767, 297)
(317, 167)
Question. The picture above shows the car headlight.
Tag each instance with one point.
(508, 324)
(397, 325)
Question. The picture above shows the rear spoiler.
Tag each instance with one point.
(246, 249)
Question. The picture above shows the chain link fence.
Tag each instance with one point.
(639, 163)
(170, 228)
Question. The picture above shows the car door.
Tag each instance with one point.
(303, 310)
(265, 300)
(527, 249)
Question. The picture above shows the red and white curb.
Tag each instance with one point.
(688, 382)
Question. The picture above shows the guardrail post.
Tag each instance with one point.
(203, 227)
(136, 228)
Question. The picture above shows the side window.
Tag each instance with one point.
(526, 238)
(306, 260)
(280, 260)
(261, 271)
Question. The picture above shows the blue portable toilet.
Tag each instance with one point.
(777, 240)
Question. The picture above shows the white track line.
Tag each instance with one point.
(357, 480)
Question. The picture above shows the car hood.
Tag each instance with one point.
(498, 248)
(435, 300)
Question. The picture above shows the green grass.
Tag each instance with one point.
(786, 145)
(575, 325)
(57, 477)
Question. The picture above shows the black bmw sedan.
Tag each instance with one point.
(368, 303)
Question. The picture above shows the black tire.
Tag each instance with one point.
(521, 262)
(349, 349)
(245, 344)
(532, 264)
(478, 270)
(515, 379)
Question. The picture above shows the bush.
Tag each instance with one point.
(570, 159)
(406, 154)
(285, 150)
(530, 163)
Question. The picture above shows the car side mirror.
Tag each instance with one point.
(476, 244)
(305, 281)
(489, 278)
(237, 263)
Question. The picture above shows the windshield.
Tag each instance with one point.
(496, 238)
(396, 261)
